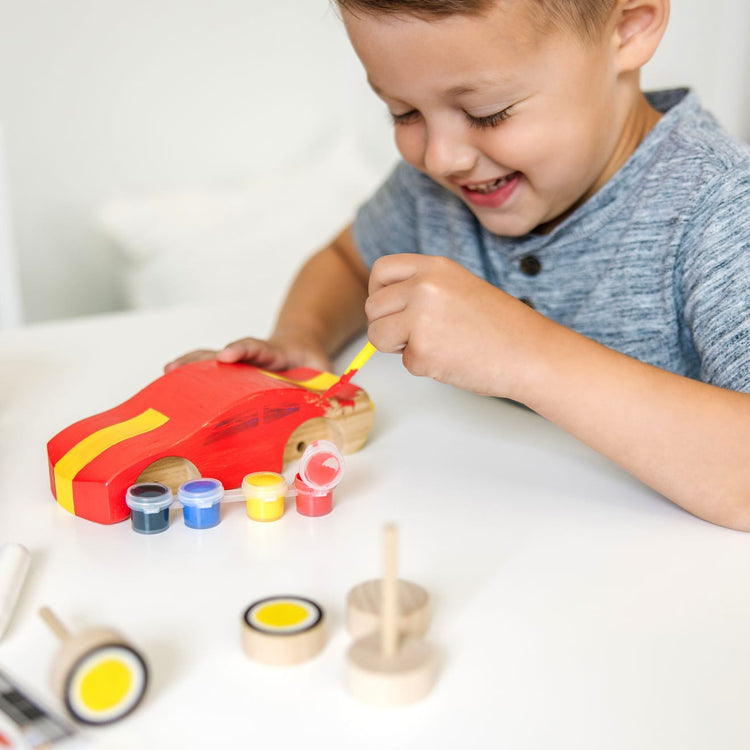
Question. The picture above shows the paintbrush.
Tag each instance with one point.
(355, 365)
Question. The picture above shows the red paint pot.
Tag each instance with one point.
(320, 470)
(311, 502)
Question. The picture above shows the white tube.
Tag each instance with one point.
(14, 564)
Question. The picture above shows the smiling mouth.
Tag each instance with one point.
(490, 187)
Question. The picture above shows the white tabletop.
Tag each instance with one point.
(572, 606)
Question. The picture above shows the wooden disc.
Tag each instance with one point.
(406, 676)
(99, 676)
(364, 606)
(283, 630)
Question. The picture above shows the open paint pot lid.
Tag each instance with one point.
(322, 465)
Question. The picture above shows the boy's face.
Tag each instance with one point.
(522, 124)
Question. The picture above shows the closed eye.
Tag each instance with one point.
(405, 118)
(489, 121)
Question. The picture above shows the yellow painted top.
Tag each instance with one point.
(282, 614)
(106, 685)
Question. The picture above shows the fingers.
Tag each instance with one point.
(276, 354)
(446, 322)
(406, 291)
(389, 334)
(388, 327)
(391, 269)
(185, 359)
(268, 355)
(256, 352)
(389, 294)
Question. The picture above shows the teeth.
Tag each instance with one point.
(490, 187)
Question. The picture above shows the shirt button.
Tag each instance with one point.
(530, 265)
(528, 302)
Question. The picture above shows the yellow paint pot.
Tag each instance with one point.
(264, 492)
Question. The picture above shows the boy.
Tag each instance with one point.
(552, 236)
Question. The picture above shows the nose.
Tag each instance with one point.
(447, 151)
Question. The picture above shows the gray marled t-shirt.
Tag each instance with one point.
(656, 264)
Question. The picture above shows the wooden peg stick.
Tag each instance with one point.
(383, 667)
(366, 603)
(389, 623)
(54, 624)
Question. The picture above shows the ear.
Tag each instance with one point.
(639, 27)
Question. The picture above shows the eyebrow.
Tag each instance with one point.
(453, 92)
(460, 90)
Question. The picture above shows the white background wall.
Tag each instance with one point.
(108, 98)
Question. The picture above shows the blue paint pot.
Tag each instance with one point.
(201, 502)
(149, 507)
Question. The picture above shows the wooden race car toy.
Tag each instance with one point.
(203, 419)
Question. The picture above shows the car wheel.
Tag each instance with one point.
(318, 428)
(354, 420)
(171, 470)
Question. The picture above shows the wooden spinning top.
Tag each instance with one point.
(96, 673)
(364, 608)
(387, 667)
(283, 630)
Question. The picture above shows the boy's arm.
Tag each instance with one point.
(688, 440)
(323, 309)
(325, 306)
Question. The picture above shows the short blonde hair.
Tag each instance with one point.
(584, 16)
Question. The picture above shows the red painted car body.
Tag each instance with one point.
(226, 420)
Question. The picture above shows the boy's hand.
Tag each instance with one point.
(278, 353)
(448, 324)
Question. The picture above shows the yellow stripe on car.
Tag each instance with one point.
(93, 445)
(321, 382)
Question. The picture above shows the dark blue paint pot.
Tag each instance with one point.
(149, 507)
(201, 502)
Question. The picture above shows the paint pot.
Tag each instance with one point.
(149, 507)
(201, 502)
(320, 470)
(264, 492)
